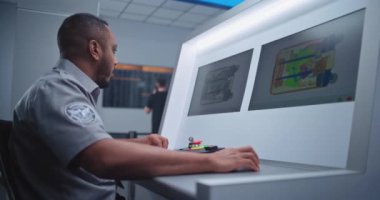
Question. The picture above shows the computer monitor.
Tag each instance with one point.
(327, 95)
(219, 86)
(314, 66)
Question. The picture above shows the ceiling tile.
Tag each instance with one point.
(113, 5)
(133, 17)
(205, 10)
(109, 13)
(167, 13)
(164, 12)
(159, 21)
(127, 1)
(218, 13)
(10, 1)
(149, 2)
(184, 24)
(190, 17)
(177, 5)
(139, 9)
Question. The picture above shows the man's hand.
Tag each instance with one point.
(147, 110)
(230, 159)
(156, 140)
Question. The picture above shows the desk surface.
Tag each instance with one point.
(185, 186)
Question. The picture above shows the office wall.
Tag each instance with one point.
(35, 49)
(35, 52)
(35, 45)
(141, 44)
(7, 37)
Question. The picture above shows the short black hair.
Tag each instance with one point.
(77, 30)
(161, 82)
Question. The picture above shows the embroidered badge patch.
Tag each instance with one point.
(80, 113)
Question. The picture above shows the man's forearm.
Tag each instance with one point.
(126, 160)
(115, 159)
(134, 140)
(163, 162)
(151, 139)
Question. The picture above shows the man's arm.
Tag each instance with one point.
(149, 105)
(152, 139)
(113, 159)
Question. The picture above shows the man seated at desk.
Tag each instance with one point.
(59, 145)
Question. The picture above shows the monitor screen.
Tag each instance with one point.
(315, 66)
(219, 86)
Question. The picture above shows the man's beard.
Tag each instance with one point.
(103, 80)
(104, 84)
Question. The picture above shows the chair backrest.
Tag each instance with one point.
(5, 130)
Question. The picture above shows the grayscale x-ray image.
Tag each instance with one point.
(219, 87)
(315, 66)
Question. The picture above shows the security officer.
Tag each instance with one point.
(59, 144)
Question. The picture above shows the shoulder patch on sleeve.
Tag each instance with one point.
(80, 113)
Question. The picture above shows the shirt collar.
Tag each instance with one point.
(84, 79)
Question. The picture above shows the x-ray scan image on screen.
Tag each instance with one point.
(315, 66)
(305, 66)
(219, 86)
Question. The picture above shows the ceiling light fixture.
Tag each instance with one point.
(225, 4)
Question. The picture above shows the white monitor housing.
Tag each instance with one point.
(307, 97)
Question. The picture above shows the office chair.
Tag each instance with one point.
(5, 130)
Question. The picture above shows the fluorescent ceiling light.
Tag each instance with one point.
(226, 4)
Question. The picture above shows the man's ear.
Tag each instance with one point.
(94, 49)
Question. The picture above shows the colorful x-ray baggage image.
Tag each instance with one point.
(218, 85)
(308, 65)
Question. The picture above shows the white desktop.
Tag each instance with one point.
(295, 79)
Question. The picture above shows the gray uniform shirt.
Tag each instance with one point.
(54, 121)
